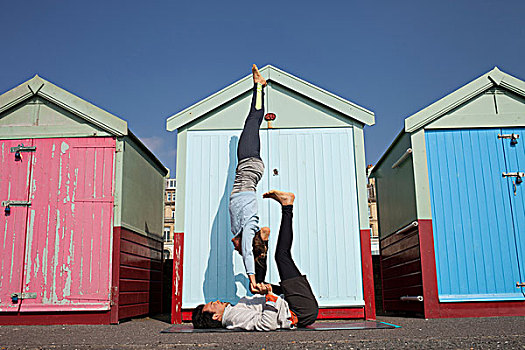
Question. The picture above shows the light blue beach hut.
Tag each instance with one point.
(314, 148)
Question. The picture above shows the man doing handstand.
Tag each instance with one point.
(243, 200)
(267, 311)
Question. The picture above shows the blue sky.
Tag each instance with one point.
(147, 60)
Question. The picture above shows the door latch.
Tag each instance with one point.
(21, 148)
(19, 296)
(9, 204)
(513, 137)
(518, 175)
(16, 203)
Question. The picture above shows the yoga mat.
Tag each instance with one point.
(318, 326)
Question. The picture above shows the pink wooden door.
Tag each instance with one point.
(14, 185)
(69, 226)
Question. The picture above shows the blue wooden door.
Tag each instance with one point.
(212, 269)
(318, 166)
(474, 233)
(515, 163)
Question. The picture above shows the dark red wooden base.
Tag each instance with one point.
(324, 314)
(416, 257)
(27, 319)
(368, 276)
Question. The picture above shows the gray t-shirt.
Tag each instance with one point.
(256, 313)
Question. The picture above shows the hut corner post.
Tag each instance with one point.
(114, 316)
(176, 299)
(368, 275)
(428, 267)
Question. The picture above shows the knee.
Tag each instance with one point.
(282, 255)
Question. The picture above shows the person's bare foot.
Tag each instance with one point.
(285, 198)
(265, 233)
(257, 77)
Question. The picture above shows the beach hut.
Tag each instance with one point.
(81, 221)
(451, 198)
(314, 147)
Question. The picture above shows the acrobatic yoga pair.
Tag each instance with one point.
(265, 310)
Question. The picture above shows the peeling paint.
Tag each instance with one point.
(46, 249)
(5, 235)
(29, 246)
(54, 296)
(37, 264)
(64, 147)
(91, 261)
(53, 151)
(95, 177)
(12, 259)
(59, 177)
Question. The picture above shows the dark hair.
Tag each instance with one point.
(259, 246)
(201, 319)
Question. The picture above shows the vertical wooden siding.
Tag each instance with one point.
(14, 185)
(140, 285)
(318, 165)
(67, 258)
(401, 271)
(474, 238)
(515, 161)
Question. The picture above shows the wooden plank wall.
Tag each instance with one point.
(401, 271)
(140, 289)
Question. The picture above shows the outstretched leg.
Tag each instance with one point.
(283, 256)
(249, 142)
(295, 287)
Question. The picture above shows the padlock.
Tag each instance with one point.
(18, 157)
(7, 211)
(14, 298)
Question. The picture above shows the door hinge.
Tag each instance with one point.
(518, 175)
(513, 137)
(520, 284)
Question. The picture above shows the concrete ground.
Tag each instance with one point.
(143, 333)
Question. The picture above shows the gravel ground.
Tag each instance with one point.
(143, 333)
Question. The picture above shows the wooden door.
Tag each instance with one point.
(66, 264)
(474, 239)
(15, 174)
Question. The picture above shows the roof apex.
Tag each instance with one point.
(271, 74)
(38, 86)
(494, 77)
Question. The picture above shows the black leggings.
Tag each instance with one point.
(249, 142)
(283, 256)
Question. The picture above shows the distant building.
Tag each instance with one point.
(372, 211)
(169, 218)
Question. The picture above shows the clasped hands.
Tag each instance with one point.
(261, 288)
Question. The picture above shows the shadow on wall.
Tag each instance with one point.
(219, 279)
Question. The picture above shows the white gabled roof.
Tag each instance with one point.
(493, 78)
(74, 104)
(271, 74)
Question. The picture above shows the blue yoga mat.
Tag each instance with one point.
(318, 326)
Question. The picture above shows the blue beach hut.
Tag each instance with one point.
(451, 204)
